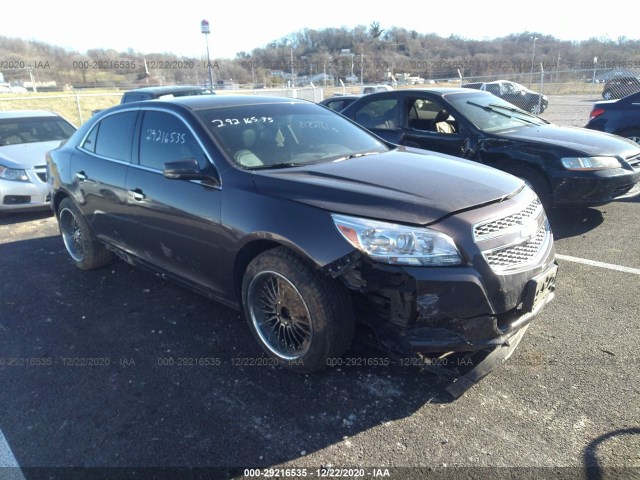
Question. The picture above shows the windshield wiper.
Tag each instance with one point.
(488, 109)
(492, 108)
(278, 165)
(516, 110)
(356, 155)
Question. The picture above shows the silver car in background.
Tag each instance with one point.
(25, 138)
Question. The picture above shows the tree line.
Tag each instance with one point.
(370, 52)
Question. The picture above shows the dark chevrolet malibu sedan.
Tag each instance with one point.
(566, 166)
(307, 222)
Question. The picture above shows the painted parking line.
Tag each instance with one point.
(593, 263)
(9, 468)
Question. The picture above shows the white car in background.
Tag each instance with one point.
(25, 138)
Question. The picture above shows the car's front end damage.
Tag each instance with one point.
(477, 308)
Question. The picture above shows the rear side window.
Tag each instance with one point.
(381, 114)
(111, 137)
(165, 138)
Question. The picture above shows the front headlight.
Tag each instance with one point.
(13, 174)
(590, 163)
(397, 244)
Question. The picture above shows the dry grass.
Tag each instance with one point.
(65, 104)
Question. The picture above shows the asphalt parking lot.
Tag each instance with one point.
(116, 368)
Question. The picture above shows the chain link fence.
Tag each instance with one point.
(78, 106)
(571, 93)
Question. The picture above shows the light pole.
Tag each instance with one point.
(595, 65)
(293, 73)
(206, 30)
(533, 55)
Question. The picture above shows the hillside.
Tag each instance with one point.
(338, 53)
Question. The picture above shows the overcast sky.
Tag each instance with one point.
(244, 25)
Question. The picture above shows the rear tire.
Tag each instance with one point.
(84, 249)
(298, 316)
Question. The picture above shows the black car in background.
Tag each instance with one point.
(566, 166)
(299, 217)
(339, 102)
(514, 93)
(619, 87)
(152, 93)
(620, 117)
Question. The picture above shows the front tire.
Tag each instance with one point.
(84, 249)
(298, 316)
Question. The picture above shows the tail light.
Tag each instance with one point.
(596, 112)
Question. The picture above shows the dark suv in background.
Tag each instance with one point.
(150, 93)
(620, 117)
(619, 87)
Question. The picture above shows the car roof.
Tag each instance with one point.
(6, 114)
(200, 102)
(167, 89)
(437, 91)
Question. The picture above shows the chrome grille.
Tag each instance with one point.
(501, 226)
(512, 257)
(41, 172)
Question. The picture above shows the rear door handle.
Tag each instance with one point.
(81, 176)
(137, 194)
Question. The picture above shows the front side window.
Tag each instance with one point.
(165, 138)
(428, 115)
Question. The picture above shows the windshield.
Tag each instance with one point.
(286, 135)
(491, 114)
(15, 131)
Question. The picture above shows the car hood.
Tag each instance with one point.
(581, 140)
(403, 185)
(28, 155)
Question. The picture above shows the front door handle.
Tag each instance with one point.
(81, 176)
(137, 194)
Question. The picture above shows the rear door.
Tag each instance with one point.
(98, 172)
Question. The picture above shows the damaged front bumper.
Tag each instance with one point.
(453, 322)
(415, 310)
(460, 334)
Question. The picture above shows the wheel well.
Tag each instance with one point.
(244, 257)
(55, 201)
(507, 165)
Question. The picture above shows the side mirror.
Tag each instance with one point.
(188, 170)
